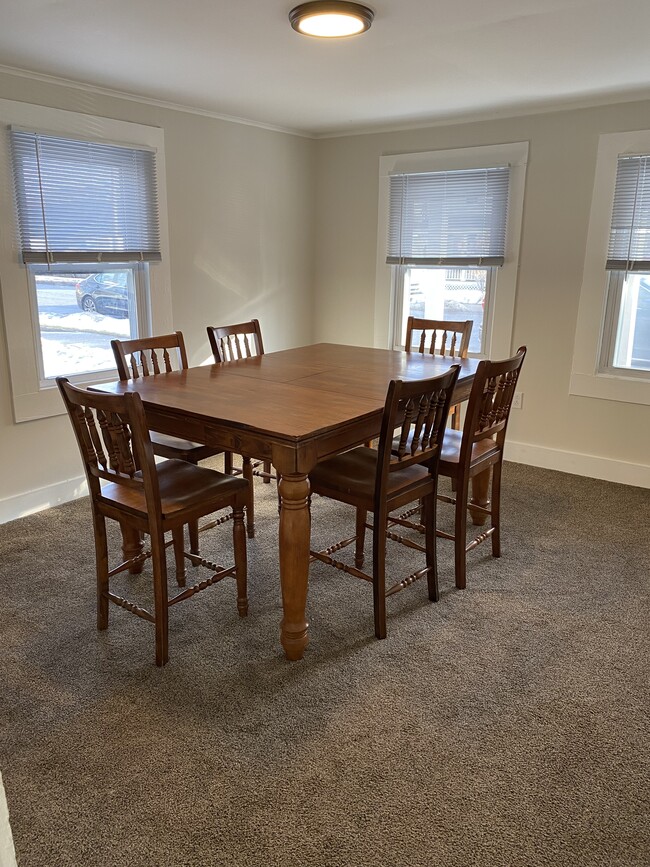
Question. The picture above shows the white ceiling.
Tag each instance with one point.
(422, 61)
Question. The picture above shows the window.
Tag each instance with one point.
(89, 229)
(626, 333)
(611, 357)
(449, 232)
(77, 202)
(456, 219)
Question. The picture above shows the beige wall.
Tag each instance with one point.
(240, 203)
(279, 227)
(591, 436)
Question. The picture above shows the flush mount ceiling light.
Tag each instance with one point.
(331, 19)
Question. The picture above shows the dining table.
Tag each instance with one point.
(294, 408)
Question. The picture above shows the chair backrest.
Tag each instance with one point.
(418, 409)
(148, 355)
(113, 439)
(490, 402)
(232, 342)
(438, 337)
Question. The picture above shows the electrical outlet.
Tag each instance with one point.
(518, 400)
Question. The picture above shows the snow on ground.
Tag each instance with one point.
(79, 342)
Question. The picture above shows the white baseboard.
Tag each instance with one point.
(521, 453)
(579, 464)
(42, 498)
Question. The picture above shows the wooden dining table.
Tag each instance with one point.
(293, 408)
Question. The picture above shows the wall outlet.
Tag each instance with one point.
(518, 400)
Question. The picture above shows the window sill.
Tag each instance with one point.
(607, 386)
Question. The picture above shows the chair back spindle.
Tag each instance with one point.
(491, 399)
(438, 337)
(419, 411)
(113, 438)
(146, 356)
(235, 342)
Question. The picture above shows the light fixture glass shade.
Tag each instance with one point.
(331, 19)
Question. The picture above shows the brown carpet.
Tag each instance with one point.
(506, 725)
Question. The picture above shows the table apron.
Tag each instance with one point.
(299, 456)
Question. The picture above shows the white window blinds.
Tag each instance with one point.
(82, 201)
(629, 236)
(448, 218)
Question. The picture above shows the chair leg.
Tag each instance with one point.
(429, 504)
(496, 509)
(101, 564)
(193, 531)
(227, 463)
(179, 553)
(267, 470)
(362, 517)
(247, 472)
(460, 533)
(159, 567)
(239, 545)
(379, 573)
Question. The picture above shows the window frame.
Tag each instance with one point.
(592, 373)
(31, 399)
(499, 327)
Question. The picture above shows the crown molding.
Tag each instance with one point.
(504, 113)
(145, 100)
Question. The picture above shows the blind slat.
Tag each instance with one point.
(454, 217)
(93, 201)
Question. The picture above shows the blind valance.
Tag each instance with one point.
(448, 218)
(629, 236)
(83, 201)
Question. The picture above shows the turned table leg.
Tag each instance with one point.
(132, 546)
(294, 561)
(480, 496)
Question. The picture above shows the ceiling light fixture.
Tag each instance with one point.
(331, 19)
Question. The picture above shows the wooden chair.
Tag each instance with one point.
(145, 356)
(387, 478)
(145, 497)
(477, 450)
(232, 343)
(443, 338)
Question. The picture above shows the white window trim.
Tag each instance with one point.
(30, 399)
(499, 338)
(588, 379)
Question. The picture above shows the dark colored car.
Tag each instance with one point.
(105, 292)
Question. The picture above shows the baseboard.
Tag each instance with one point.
(579, 464)
(42, 498)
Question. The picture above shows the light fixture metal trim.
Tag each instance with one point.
(318, 8)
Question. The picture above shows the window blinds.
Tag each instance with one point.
(629, 236)
(448, 218)
(82, 201)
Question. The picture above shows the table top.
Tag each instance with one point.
(293, 395)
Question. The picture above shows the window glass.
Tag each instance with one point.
(79, 311)
(632, 341)
(447, 293)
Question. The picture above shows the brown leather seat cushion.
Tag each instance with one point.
(181, 485)
(354, 473)
(451, 448)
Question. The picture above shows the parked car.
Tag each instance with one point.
(104, 292)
